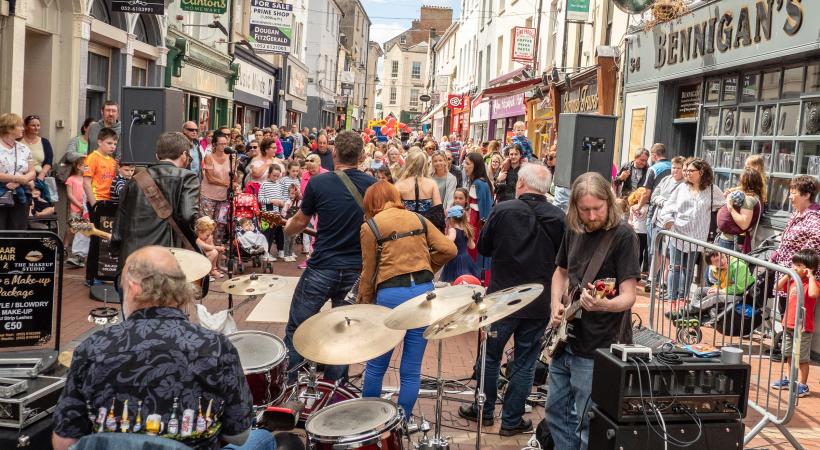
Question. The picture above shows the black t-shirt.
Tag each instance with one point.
(326, 159)
(596, 329)
(337, 241)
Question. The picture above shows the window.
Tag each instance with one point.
(394, 69)
(480, 58)
(392, 95)
(139, 76)
(416, 71)
(487, 65)
(414, 98)
(403, 40)
(609, 18)
(499, 53)
(500, 6)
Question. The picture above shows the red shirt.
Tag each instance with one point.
(809, 304)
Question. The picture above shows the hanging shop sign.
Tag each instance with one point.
(296, 87)
(455, 101)
(28, 268)
(723, 34)
(156, 7)
(271, 26)
(511, 106)
(203, 6)
(582, 99)
(578, 10)
(688, 101)
(523, 44)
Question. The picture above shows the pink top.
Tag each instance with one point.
(74, 183)
(220, 171)
(306, 177)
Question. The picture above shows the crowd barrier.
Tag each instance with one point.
(749, 318)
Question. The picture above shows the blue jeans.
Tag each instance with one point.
(527, 334)
(411, 356)
(570, 383)
(729, 244)
(259, 439)
(561, 198)
(680, 273)
(315, 287)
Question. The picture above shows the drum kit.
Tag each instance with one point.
(333, 415)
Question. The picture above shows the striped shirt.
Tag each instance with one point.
(270, 191)
(689, 213)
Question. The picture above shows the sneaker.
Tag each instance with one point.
(783, 384)
(268, 258)
(469, 412)
(525, 426)
(74, 261)
(290, 259)
(802, 390)
(89, 283)
(280, 254)
(302, 265)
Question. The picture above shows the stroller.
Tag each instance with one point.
(248, 239)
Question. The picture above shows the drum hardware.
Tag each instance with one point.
(104, 315)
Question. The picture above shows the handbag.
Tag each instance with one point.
(435, 214)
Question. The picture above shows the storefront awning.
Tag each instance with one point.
(430, 114)
(509, 89)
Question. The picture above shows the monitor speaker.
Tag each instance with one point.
(585, 144)
(146, 113)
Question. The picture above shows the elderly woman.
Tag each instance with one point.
(801, 230)
(16, 174)
(401, 270)
(688, 212)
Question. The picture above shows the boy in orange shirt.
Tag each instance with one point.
(101, 168)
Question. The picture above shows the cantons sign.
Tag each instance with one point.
(205, 6)
(722, 34)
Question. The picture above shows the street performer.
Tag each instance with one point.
(156, 373)
(595, 235)
(519, 261)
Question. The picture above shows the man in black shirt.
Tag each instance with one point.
(325, 152)
(508, 178)
(522, 236)
(591, 216)
(152, 360)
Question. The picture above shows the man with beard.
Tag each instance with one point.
(324, 152)
(110, 113)
(508, 178)
(594, 228)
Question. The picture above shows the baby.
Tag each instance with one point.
(252, 240)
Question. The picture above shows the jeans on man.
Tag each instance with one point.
(527, 334)
(570, 383)
(258, 439)
(315, 287)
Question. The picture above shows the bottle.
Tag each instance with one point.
(200, 419)
(125, 424)
(90, 413)
(208, 420)
(173, 422)
(138, 421)
(111, 420)
(101, 413)
(187, 423)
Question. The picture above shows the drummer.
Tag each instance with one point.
(405, 270)
(153, 358)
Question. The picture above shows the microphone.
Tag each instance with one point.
(229, 151)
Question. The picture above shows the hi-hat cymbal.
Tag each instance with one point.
(346, 335)
(425, 309)
(491, 308)
(253, 284)
(194, 265)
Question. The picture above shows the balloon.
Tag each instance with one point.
(467, 279)
(386, 130)
(391, 133)
(391, 121)
(402, 125)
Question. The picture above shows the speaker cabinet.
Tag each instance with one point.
(146, 113)
(585, 144)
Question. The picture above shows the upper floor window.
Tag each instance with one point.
(416, 70)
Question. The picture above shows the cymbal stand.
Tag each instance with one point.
(481, 398)
(437, 442)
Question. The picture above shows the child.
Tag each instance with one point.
(289, 210)
(100, 168)
(124, 173)
(460, 232)
(521, 139)
(76, 210)
(39, 205)
(637, 218)
(461, 198)
(272, 197)
(252, 240)
(204, 228)
(804, 263)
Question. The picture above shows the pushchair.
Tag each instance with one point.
(248, 241)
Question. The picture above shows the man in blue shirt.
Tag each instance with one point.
(336, 261)
(287, 142)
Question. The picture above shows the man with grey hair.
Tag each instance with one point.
(632, 174)
(522, 236)
(156, 362)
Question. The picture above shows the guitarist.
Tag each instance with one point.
(598, 244)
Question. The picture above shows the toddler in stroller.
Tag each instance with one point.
(252, 243)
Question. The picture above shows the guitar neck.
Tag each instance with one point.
(572, 309)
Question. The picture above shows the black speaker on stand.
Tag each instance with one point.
(585, 144)
(146, 113)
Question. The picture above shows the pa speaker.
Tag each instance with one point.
(146, 113)
(585, 144)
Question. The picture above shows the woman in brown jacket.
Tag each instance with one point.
(403, 269)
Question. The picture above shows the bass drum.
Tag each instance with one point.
(326, 394)
(264, 360)
(362, 423)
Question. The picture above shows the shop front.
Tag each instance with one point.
(504, 112)
(460, 119)
(205, 84)
(541, 124)
(479, 118)
(296, 94)
(253, 92)
(723, 82)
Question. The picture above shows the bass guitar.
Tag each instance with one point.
(87, 228)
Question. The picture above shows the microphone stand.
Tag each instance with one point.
(230, 225)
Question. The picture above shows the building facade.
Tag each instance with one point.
(321, 57)
(355, 32)
(375, 52)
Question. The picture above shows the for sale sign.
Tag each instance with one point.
(271, 26)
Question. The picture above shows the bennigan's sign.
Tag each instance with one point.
(723, 34)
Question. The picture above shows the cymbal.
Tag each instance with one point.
(65, 357)
(491, 308)
(346, 335)
(252, 284)
(423, 310)
(194, 265)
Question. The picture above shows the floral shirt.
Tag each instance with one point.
(7, 158)
(800, 233)
(153, 356)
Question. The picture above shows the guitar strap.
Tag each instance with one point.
(160, 204)
(596, 261)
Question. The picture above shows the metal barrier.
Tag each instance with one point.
(744, 314)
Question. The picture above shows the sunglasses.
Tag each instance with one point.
(192, 129)
(254, 146)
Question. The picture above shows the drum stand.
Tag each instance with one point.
(437, 442)
(480, 397)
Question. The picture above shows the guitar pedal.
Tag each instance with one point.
(625, 351)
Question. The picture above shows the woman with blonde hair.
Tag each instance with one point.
(16, 174)
(419, 192)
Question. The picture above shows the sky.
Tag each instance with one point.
(391, 17)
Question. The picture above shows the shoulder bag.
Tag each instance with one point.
(161, 206)
(7, 198)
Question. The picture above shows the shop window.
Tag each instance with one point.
(779, 194)
(730, 89)
(788, 120)
(743, 150)
(793, 82)
(749, 87)
(785, 159)
(810, 158)
(770, 87)
(811, 118)
(746, 122)
(711, 121)
(725, 156)
(712, 90)
(765, 120)
(764, 148)
(813, 78)
(725, 180)
(709, 153)
(728, 122)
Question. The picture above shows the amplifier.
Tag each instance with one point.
(605, 434)
(707, 387)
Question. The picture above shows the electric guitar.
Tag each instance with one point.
(87, 228)
(556, 337)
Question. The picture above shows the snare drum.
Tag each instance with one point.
(362, 423)
(264, 359)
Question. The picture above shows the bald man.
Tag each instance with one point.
(191, 131)
(154, 358)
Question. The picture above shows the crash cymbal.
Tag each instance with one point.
(65, 357)
(491, 308)
(194, 265)
(346, 335)
(423, 310)
(252, 284)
